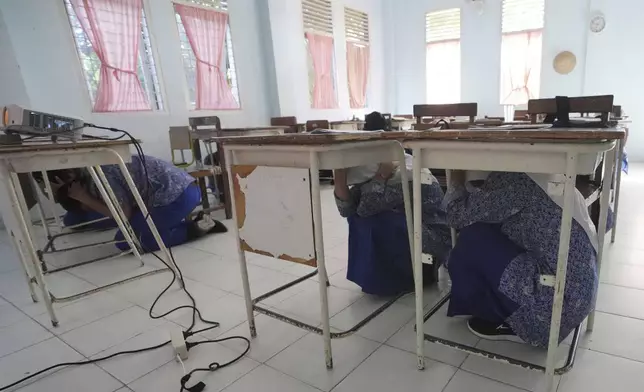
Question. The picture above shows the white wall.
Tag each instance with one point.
(565, 23)
(290, 53)
(45, 51)
(615, 62)
(12, 88)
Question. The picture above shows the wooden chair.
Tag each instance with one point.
(204, 128)
(180, 140)
(388, 121)
(600, 104)
(317, 124)
(290, 122)
(441, 111)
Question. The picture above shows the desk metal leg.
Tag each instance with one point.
(319, 251)
(418, 258)
(39, 205)
(148, 218)
(241, 254)
(562, 264)
(27, 239)
(25, 267)
(618, 183)
(452, 231)
(52, 197)
(117, 214)
(407, 201)
(604, 204)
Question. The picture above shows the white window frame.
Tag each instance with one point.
(147, 68)
(189, 60)
(448, 31)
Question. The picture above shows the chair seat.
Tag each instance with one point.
(204, 171)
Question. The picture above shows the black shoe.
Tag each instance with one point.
(492, 331)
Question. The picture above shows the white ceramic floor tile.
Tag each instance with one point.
(263, 378)
(110, 271)
(386, 324)
(627, 275)
(380, 328)
(390, 369)
(9, 314)
(304, 359)
(20, 335)
(81, 378)
(143, 292)
(597, 372)
(34, 358)
(273, 336)
(616, 335)
(109, 331)
(508, 374)
(200, 292)
(167, 377)
(128, 368)
(306, 305)
(622, 301)
(464, 381)
(442, 326)
(84, 311)
(229, 311)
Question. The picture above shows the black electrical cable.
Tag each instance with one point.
(195, 311)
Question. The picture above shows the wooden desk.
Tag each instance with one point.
(293, 162)
(349, 125)
(551, 151)
(42, 156)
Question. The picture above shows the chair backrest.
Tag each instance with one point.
(317, 124)
(521, 115)
(180, 138)
(205, 122)
(448, 110)
(387, 117)
(617, 111)
(601, 104)
(290, 122)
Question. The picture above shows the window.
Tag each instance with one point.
(125, 98)
(190, 61)
(443, 56)
(318, 35)
(522, 27)
(356, 24)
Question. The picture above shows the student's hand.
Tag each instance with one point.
(385, 170)
(77, 191)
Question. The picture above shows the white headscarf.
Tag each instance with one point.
(553, 185)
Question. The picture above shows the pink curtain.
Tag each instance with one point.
(520, 67)
(357, 74)
(443, 70)
(114, 30)
(206, 31)
(321, 49)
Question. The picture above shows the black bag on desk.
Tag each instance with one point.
(562, 118)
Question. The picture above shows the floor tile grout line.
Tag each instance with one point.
(489, 378)
(623, 286)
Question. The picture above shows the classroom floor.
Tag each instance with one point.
(283, 358)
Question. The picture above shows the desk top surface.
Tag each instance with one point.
(42, 145)
(550, 135)
(207, 134)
